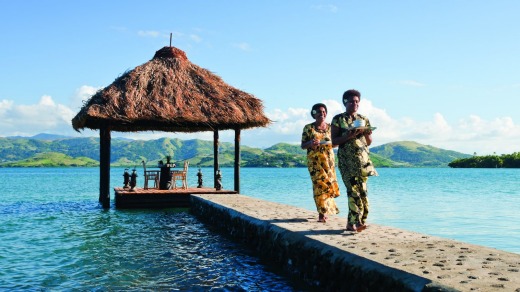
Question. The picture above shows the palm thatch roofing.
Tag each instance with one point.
(170, 94)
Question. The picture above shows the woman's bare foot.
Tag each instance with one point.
(351, 227)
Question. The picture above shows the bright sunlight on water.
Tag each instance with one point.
(55, 235)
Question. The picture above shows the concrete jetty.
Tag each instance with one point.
(326, 257)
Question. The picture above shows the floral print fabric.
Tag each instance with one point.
(320, 162)
(353, 156)
(355, 166)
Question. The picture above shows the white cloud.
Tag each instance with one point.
(195, 38)
(326, 7)
(5, 105)
(119, 28)
(242, 46)
(467, 135)
(27, 120)
(163, 34)
(472, 134)
(175, 34)
(148, 33)
(82, 94)
(412, 83)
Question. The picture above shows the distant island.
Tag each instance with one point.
(45, 150)
(488, 161)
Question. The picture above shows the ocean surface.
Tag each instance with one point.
(55, 236)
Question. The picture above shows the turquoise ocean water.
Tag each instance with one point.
(55, 236)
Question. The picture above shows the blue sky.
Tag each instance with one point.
(444, 73)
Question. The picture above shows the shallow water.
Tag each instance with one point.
(71, 245)
(55, 236)
(478, 206)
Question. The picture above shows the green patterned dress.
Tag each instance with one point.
(355, 167)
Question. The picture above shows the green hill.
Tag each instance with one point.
(25, 152)
(285, 148)
(380, 161)
(52, 159)
(413, 154)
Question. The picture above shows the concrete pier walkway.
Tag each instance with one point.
(326, 257)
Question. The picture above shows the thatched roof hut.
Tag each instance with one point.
(170, 94)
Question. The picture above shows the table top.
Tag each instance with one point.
(170, 165)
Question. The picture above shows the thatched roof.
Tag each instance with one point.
(170, 94)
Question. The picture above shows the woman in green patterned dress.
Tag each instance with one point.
(354, 161)
(320, 161)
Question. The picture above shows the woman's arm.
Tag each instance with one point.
(337, 139)
(306, 144)
(335, 136)
(307, 140)
(310, 144)
(368, 137)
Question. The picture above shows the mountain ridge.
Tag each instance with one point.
(25, 151)
(413, 154)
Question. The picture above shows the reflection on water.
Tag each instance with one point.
(68, 245)
(54, 236)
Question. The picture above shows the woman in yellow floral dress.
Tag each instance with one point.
(320, 161)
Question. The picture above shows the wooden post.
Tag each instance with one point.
(237, 160)
(215, 157)
(104, 167)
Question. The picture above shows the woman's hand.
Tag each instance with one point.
(315, 143)
(352, 134)
(311, 144)
(368, 136)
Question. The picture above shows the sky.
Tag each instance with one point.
(444, 73)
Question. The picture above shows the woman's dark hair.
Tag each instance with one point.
(349, 94)
(316, 107)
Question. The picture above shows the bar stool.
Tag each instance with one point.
(151, 175)
(180, 175)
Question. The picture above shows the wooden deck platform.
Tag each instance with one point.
(155, 198)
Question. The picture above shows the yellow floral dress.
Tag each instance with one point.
(320, 162)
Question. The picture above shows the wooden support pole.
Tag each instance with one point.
(104, 167)
(215, 157)
(237, 160)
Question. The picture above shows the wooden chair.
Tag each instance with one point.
(180, 175)
(151, 175)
